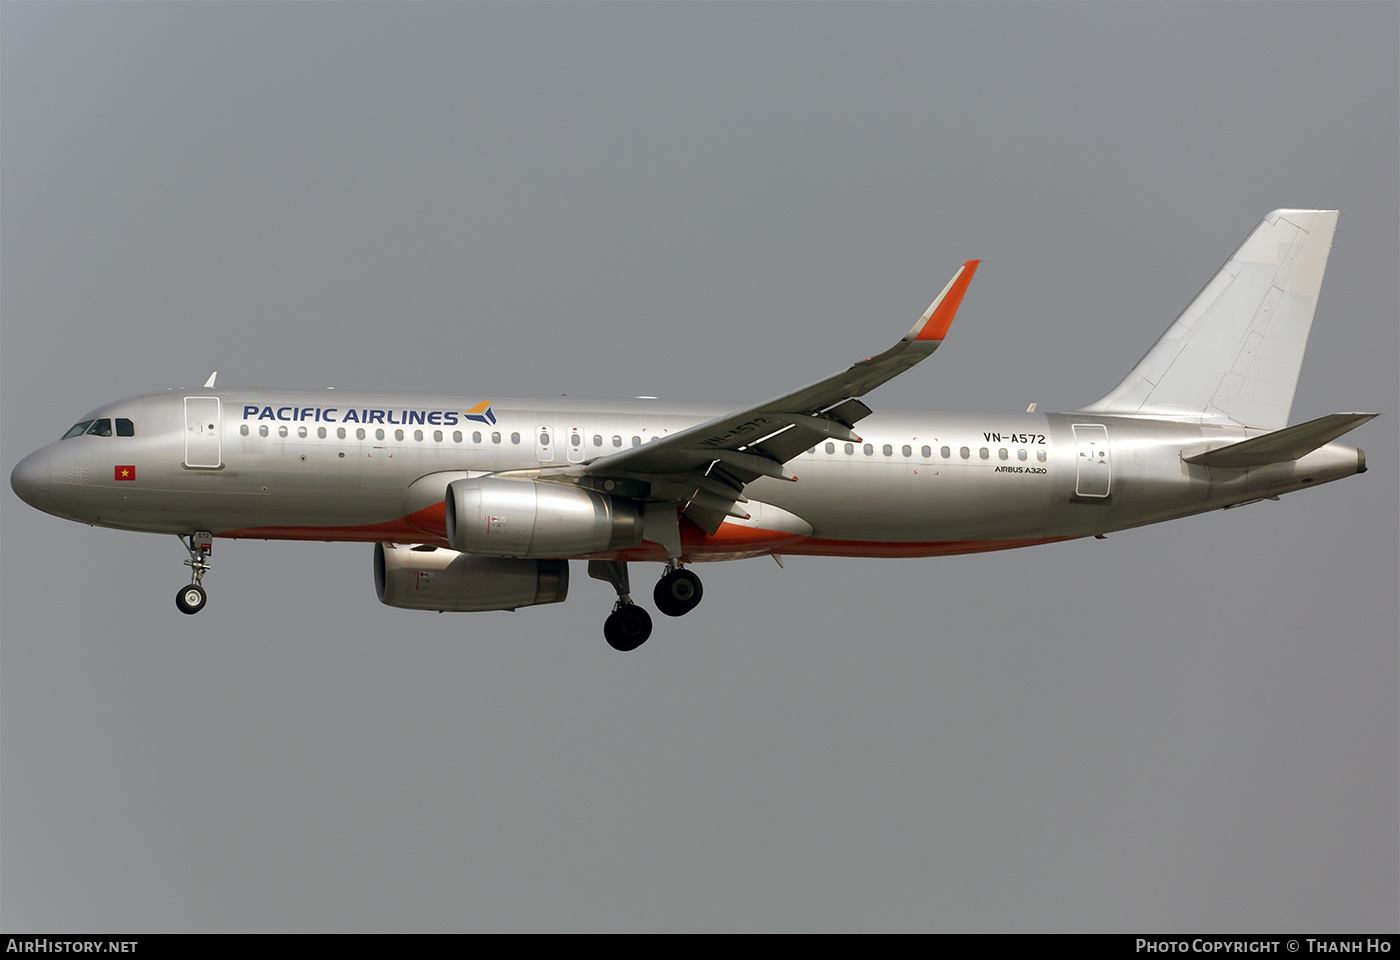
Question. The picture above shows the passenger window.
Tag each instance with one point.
(617, 441)
(418, 434)
(398, 434)
(811, 450)
(1020, 454)
(636, 441)
(1001, 454)
(945, 453)
(544, 439)
(515, 438)
(926, 453)
(907, 450)
(359, 433)
(437, 436)
(100, 428)
(243, 429)
(575, 439)
(869, 449)
(301, 432)
(340, 433)
(77, 430)
(379, 433)
(831, 448)
(456, 436)
(262, 430)
(964, 453)
(1040, 455)
(281, 431)
(984, 453)
(495, 438)
(125, 428)
(850, 449)
(321, 433)
(476, 436)
(888, 451)
(597, 439)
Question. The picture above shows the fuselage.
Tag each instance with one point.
(359, 467)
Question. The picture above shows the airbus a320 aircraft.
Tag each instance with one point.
(480, 504)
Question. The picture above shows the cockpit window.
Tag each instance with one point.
(77, 430)
(125, 428)
(100, 428)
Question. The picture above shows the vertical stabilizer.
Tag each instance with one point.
(1234, 354)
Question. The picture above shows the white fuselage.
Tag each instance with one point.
(331, 466)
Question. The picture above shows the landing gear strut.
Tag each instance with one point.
(191, 599)
(628, 626)
(677, 592)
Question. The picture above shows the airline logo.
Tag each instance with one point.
(481, 413)
(124, 471)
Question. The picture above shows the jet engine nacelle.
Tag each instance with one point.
(497, 517)
(434, 578)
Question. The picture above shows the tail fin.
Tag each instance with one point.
(1234, 354)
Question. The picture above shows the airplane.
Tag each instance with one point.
(480, 504)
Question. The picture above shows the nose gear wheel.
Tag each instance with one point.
(192, 598)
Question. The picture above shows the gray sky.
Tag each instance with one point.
(1188, 727)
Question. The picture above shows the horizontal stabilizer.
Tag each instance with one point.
(1290, 443)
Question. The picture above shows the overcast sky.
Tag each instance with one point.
(1188, 727)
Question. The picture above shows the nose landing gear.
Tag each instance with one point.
(191, 599)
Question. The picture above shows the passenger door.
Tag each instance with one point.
(204, 445)
(1094, 475)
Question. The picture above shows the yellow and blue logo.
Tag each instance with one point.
(481, 413)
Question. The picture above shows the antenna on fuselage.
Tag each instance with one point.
(209, 384)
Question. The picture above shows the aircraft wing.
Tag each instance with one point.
(708, 464)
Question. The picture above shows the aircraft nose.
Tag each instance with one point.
(30, 479)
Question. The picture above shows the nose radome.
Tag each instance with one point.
(30, 479)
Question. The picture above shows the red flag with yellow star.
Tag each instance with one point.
(125, 471)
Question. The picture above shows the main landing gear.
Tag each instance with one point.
(629, 626)
(191, 599)
(677, 592)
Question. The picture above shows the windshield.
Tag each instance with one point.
(77, 430)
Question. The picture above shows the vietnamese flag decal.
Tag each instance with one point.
(124, 472)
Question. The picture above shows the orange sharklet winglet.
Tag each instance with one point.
(934, 324)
